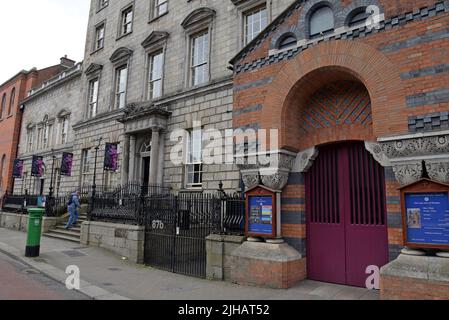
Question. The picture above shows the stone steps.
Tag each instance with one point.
(73, 234)
(50, 234)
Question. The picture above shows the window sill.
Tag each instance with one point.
(123, 36)
(153, 19)
(192, 190)
(102, 8)
(96, 51)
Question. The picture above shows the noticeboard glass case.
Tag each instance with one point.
(261, 213)
(425, 213)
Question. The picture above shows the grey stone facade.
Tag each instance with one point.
(48, 106)
(144, 122)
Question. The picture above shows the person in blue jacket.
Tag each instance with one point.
(73, 206)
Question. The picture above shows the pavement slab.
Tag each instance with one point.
(106, 276)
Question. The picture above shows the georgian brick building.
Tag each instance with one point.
(12, 92)
(361, 103)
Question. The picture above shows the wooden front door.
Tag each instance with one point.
(346, 215)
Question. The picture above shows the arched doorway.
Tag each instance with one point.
(345, 187)
(346, 214)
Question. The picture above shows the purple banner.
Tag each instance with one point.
(37, 166)
(67, 164)
(111, 157)
(18, 169)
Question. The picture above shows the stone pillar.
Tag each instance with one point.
(160, 171)
(154, 161)
(125, 164)
(132, 158)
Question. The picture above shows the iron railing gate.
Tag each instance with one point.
(176, 225)
(176, 231)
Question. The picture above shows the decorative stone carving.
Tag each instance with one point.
(438, 170)
(251, 178)
(377, 152)
(413, 147)
(407, 173)
(304, 160)
(274, 180)
(406, 155)
(273, 174)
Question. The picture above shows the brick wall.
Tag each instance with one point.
(402, 67)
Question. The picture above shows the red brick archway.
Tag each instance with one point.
(324, 64)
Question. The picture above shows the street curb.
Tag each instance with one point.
(86, 288)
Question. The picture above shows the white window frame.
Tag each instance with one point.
(251, 12)
(64, 124)
(102, 4)
(85, 159)
(30, 139)
(194, 167)
(246, 7)
(93, 103)
(192, 65)
(156, 5)
(102, 26)
(117, 92)
(123, 20)
(150, 79)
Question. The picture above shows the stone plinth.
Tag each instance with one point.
(261, 264)
(219, 260)
(19, 222)
(127, 241)
(415, 278)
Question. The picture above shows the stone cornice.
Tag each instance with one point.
(156, 37)
(201, 15)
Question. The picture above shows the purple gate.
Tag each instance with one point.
(346, 215)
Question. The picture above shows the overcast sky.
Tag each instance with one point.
(39, 32)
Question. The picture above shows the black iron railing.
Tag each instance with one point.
(134, 204)
(18, 203)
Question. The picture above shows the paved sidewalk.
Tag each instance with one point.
(106, 276)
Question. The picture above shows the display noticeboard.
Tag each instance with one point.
(425, 213)
(261, 213)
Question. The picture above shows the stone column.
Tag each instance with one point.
(132, 158)
(160, 171)
(125, 164)
(154, 161)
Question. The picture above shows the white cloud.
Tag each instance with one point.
(36, 33)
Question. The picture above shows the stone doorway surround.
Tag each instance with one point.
(141, 119)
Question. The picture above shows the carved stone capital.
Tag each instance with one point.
(438, 170)
(304, 160)
(378, 153)
(251, 178)
(272, 170)
(407, 173)
(275, 180)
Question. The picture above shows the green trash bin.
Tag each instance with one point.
(33, 246)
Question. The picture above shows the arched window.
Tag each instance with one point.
(11, 101)
(321, 22)
(287, 41)
(358, 17)
(3, 107)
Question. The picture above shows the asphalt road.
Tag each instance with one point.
(19, 281)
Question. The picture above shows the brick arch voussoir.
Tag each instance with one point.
(364, 62)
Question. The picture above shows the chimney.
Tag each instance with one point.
(66, 62)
